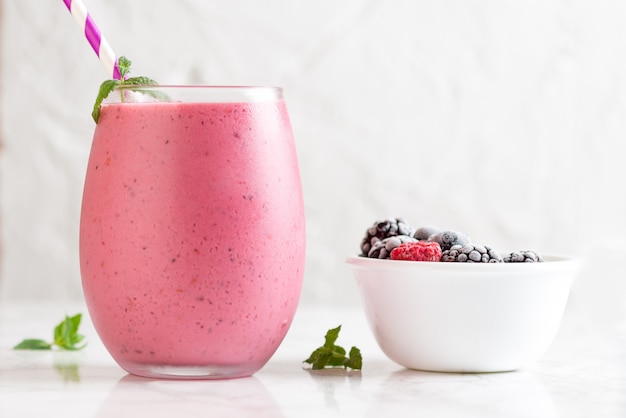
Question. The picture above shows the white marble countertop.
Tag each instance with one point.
(582, 375)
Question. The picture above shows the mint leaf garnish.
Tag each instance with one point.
(108, 86)
(123, 65)
(332, 355)
(140, 80)
(146, 81)
(66, 337)
(105, 88)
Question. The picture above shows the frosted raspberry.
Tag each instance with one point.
(417, 251)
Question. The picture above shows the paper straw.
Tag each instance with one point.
(92, 33)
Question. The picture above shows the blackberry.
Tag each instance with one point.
(527, 256)
(384, 229)
(471, 253)
(383, 248)
(446, 239)
(426, 232)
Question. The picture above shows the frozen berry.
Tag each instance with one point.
(447, 239)
(527, 256)
(384, 229)
(471, 253)
(383, 248)
(417, 251)
(425, 232)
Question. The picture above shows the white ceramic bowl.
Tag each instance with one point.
(464, 317)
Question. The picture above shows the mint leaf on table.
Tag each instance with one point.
(33, 344)
(66, 337)
(332, 355)
(108, 86)
(355, 361)
(66, 334)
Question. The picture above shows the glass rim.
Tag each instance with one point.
(137, 93)
(196, 86)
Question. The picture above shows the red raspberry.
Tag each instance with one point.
(417, 251)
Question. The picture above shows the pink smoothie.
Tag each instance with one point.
(192, 235)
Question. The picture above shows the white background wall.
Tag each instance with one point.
(502, 119)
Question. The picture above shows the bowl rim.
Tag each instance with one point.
(553, 262)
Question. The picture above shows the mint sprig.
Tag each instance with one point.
(66, 337)
(108, 86)
(332, 355)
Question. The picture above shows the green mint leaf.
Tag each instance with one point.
(331, 337)
(108, 86)
(146, 81)
(62, 332)
(337, 357)
(66, 334)
(105, 89)
(33, 344)
(321, 361)
(331, 355)
(74, 337)
(315, 355)
(66, 337)
(355, 361)
(123, 65)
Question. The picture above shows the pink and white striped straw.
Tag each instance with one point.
(96, 40)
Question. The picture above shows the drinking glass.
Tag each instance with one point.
(192, 230)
